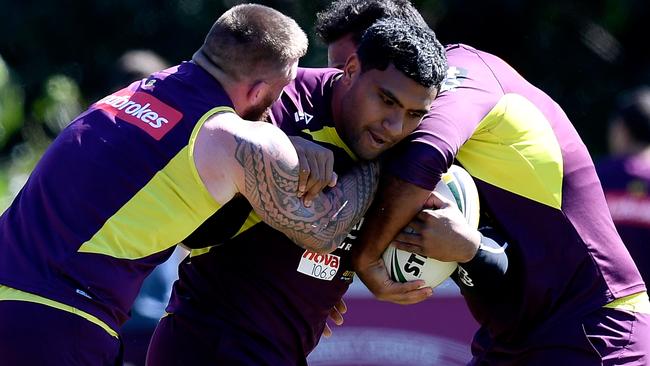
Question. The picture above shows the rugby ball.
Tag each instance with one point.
(457, 186)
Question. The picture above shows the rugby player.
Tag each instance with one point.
(571, 293)
(255, 298)
(139, 171)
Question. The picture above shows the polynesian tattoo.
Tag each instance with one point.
(271, 187)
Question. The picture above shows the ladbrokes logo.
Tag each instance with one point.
(143, 110)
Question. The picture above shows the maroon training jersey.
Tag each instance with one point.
(259, 281)
(538, 185)
(112, 196)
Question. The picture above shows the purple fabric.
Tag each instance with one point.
(92, 169)
(621, 337)
(603, 337)
(562, 263)
(252, 282)
(35, 334)
(181, 340)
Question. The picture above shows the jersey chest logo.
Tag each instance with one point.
(142, 110)
(302, 116)
(320, 266)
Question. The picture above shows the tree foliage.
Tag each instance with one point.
(59, 56)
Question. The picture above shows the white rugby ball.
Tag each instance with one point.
(457, 186)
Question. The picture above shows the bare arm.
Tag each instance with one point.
(258, 160)
(397, 202)
(436, 229)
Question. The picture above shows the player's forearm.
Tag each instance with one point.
(270, 176)
(394, 207)
(369, 249)
(258, 160)
(331, 216)
(348, 201)
(486, 271)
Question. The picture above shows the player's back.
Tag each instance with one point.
(580, 206)
(538, 185)
(109, 199)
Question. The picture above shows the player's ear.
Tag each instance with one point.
(256, 92)
(352, 68)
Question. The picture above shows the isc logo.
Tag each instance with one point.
(142, 110)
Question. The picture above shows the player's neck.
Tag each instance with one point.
(203, 61)
(235, 89)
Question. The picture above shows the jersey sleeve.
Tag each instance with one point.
(430, 150)
(467, 95)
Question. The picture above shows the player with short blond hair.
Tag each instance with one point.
(141, 170)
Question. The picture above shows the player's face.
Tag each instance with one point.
(379, 108)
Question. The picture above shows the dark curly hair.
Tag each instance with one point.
(412, 49)
(355, 16)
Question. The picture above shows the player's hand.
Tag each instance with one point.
(375, 277)
(441, 233)
(316, 168)
(336, 315)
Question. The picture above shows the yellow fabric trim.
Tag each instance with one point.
(515, 148)
(200, 251)
(637, 303)
(173, 203)
(12, 294)
(195, 133)
(326, 135)
(330, 136)
(252, 220)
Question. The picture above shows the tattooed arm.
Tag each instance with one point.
(258, 160)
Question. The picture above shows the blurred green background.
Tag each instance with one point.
(57, 57)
